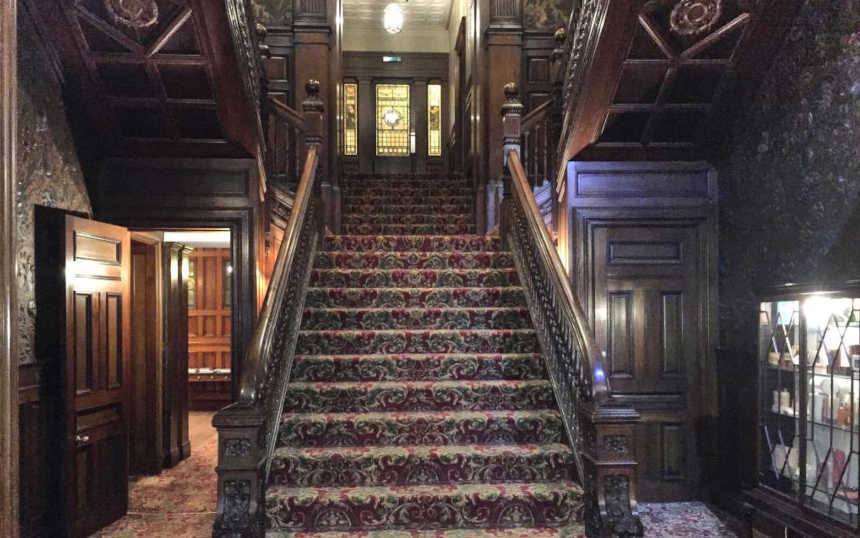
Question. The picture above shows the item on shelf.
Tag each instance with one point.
(780, 452)
(838, 467)
(775, 406)
(773, 358)
(785, 403)
(826, 408)
(843, 414)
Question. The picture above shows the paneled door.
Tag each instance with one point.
(647, 305)
(95, 441)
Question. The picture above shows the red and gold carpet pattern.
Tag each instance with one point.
(419, 403)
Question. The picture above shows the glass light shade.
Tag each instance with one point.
(392, 18)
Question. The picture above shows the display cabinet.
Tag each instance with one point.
(809, 391)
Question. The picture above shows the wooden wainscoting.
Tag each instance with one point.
(209, 310)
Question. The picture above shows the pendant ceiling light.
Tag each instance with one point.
(392, 18)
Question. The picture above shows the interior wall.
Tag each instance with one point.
(790, 180)
(789, 201)
(49, 172)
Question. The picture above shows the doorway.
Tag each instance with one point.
(181, 298)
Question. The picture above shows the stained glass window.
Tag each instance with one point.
(350, 119)
(434, 120)
(392, 120)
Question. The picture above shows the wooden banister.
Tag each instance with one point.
(248, 429)
(601, 434)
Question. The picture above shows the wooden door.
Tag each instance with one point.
(648, 319)
(95, 443)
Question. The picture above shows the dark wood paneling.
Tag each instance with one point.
(147, 369)
(644, 268)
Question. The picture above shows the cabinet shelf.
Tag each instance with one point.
(800, 322)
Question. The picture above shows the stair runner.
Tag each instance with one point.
(418, 404)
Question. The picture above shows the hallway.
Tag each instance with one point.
(179, 502)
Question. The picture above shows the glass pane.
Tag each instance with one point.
(228, 283)
(780, 372)
(392, 120)
(350, 119)
(192, 283)
(434, 120)
(832, 326)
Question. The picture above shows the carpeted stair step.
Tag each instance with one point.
(421, 427)
(408, 182)
(415, 192)
(412, 218)
(318, 319)
(371, 207)
(323, 297)
(409, 229)
(418, 278)
(576, 530)
(413, 260)
(418, 367)
(395, 396)
(418, 243)
(545, 504)
(393, 198)
(409, 341)
(421, 464)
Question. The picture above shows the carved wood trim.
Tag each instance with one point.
(8, 357)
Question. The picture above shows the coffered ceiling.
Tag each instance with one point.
(152, 75)
(419, 14)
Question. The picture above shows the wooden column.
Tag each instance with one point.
(175, 307)
(366, 116)
(419, 92)
(8, 353)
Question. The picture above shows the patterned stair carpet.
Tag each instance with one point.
(418, 403)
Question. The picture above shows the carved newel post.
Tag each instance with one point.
(498, 192)
(241, 506)
(314, 111)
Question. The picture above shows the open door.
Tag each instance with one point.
(95, 441)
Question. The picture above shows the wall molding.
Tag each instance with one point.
(8, 352)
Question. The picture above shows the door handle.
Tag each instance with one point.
(82, 439)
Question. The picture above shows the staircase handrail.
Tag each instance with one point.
(248, 428)
(601, 432)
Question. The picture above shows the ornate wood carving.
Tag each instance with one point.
(137, 14)
(691, 17)
(573, 362)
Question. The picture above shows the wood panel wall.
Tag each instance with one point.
(209, 315)
(644, 265)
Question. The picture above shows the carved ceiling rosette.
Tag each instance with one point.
(693, 17)
(136, 14)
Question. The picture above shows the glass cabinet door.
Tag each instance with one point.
(779, 372)
(832, 380)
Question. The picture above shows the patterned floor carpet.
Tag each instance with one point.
(179, 502)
